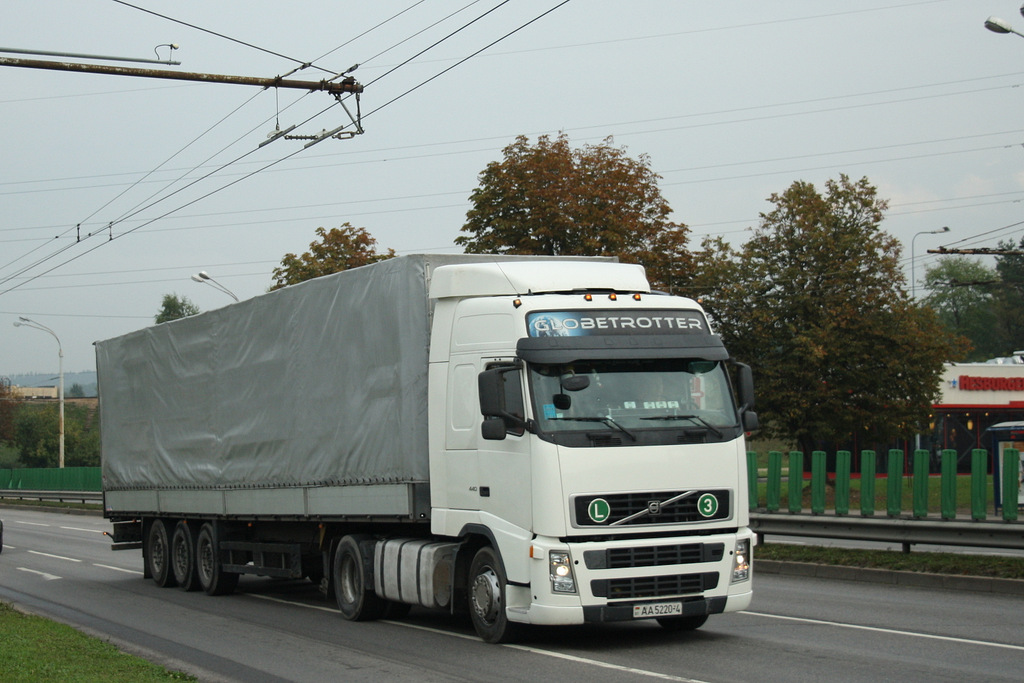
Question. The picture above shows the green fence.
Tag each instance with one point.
(839, 491)
(52, 479)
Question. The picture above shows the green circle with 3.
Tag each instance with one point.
(707, 505)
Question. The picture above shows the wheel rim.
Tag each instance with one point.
(158, 553)
(204, 559)
(180, 555)
(348, 578)
(486, 595)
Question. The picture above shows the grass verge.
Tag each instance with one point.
(37, 649)
(924, 562)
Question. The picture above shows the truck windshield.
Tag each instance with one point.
(635, 402)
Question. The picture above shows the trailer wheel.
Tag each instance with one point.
(349, 575)
(158, 554)
(683, 623)
(212, 577)
(183, 557)
(486, 589)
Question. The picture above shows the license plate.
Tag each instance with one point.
(658, 609)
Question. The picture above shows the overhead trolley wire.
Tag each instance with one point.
(112, 237)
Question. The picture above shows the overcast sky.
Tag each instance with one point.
(115, 190)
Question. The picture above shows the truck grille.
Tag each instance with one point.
(653, 556)
(653, 586)
(651, 507)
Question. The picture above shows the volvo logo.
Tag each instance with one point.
(654, 507)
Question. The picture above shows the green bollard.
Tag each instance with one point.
(920, 498)
(752, 479)
(818, 482)
(979, 478)
(894, 485)
(948, 484)
(868, 464)
(796, 481)
(843, 482)
(773, 490)
(1011, 484)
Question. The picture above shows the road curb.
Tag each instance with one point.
(979, 584)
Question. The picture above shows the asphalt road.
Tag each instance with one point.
(798, 629)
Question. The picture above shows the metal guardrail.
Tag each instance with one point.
(907, 532)
(61, 496)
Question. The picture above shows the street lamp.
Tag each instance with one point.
(26, 322)
(997, 25)
(201, 276)
(913, 282)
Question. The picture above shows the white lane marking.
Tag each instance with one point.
(48, 577)
(524, 648)
(56, 557)
(75, 528)
(878, 629)
(31, 523)
(118, 569)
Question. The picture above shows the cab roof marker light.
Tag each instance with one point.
(637, 297)
(588, 297)
(613, 296)
(516, 303)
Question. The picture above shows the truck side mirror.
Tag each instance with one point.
(746, 387)
(501, 417)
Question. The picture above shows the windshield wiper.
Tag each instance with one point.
(695, 418)
(606, 420)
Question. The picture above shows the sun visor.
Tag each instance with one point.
(555, 350)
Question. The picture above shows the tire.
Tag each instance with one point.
(209, 570)
(348, 573)
(683, 623)
(183, 557)
(486, 595)
(158, 554)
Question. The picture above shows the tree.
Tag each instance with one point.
(338, 249)
(1009, 299)
(175, 307)
(816, 303)
(551, 199)
(37, 436)
(961, 294)
(76, 391)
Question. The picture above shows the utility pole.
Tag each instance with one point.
(346, 85)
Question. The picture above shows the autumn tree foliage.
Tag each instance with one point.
(961, 293)
(816, 303)
(549, 198)
(337, 249)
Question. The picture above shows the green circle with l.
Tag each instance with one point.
(707, 505)
(599, 510)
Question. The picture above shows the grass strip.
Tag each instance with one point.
(896, 560)
(37, 649)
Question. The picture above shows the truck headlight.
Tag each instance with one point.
(741, 561)
(560, 569)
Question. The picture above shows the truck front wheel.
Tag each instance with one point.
(212, 577)
(158, 554)
(349, 576)
(486, 591)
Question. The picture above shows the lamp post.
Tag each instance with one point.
(202, 276)
(913, 282)
(997, 25)
(26, 322)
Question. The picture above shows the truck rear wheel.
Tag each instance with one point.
(183, 557)
(349, 576)
(158, 554)
(212, 577)
(486, 589)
